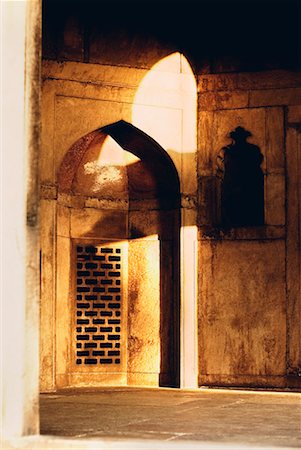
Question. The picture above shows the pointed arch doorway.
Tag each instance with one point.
(117, 302)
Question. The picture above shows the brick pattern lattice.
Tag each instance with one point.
(98, 297)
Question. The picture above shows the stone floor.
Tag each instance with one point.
(240, 418)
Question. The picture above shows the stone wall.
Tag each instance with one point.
(245, 323)
(240, 286)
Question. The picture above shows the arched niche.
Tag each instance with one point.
(117, 296)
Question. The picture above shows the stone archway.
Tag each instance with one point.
(117, 262)
(170, 118)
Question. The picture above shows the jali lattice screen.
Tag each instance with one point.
(98, 304)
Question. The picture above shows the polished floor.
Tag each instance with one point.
(240, 418)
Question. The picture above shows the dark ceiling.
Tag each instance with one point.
(252, 35)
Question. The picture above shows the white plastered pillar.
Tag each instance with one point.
(189, 330)
(20, 62)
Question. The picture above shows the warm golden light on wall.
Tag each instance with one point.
(103, 168)
(165, 104)
(111, 153)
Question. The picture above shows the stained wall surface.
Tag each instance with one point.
(245, 318)
(248, 278)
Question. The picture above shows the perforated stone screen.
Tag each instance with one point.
(98, 305)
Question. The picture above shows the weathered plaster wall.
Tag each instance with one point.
(246, 304)
(248, 278)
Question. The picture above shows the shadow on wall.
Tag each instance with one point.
(242, 182)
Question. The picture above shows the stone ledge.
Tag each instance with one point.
(249, 80)
(53, 443)
(211, 101)
(48, 191)
(275, 97)
(239, 99)
(81, 202)
(92, 73)
(252, 233)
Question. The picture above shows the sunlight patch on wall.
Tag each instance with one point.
(103, 171)
(111, 153)
(189, 369)
(165, 104)
(107, 166)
